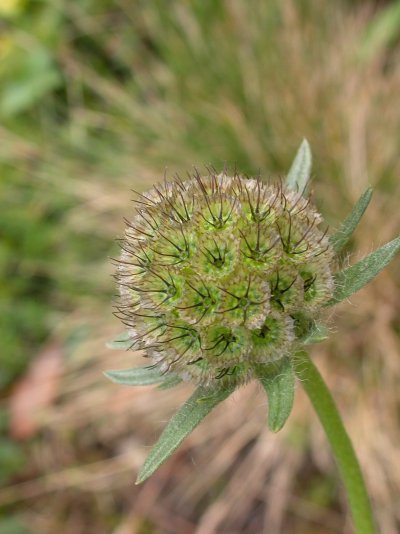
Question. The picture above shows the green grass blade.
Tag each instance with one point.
(140, 376)
(357, 276)
(381, 32)
(280, 392)
(300, 171)
(180, 426)
(341, 237)
(339, 440)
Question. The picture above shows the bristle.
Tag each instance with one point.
(213, 271)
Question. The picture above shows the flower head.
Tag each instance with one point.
(219, 275)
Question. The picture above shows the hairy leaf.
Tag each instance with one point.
(357, 276)
(140, 376)
(318, 333)
(194, 410)
(341, 237)
(300, 171)
(280, 392)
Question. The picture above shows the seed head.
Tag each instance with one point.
(219, 275)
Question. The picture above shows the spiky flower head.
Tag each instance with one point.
(221, 274)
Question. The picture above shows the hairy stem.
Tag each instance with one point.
(339, 440)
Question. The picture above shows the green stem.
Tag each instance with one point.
(339, 440)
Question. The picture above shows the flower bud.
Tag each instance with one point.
(215, 272)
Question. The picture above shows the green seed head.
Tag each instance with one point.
(215, 273)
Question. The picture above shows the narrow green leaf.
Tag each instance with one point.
(300, 171)
(280, 392)
(340, 238)
(357, 276)
(120, 342)
(170, 381)
(140, 376)
(194, 410)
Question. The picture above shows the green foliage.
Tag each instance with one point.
(36, 77)
(341, 237)
(317, 333)
(121, 341)
(28, 238)
(141, 376)
(357, 276)
(280, 391)
(181, 425)
(170, 381)
(300, 171)
(41, 266)
(29, 70)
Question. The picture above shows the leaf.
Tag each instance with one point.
(195, 409)
(280, 392)
(170, 382)
(120, 342)
(139, 376)
(357, 276)
(300, 171)
(318, 333)
(341, 237)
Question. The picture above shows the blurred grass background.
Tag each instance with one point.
(98, 97)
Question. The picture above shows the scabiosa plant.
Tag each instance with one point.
(224, 279)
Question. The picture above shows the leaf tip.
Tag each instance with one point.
(305, 143)
(145, 472)
(109, 375)
(305, 146)
(140, 479)
(300, 170)
(274, 427)
(368, 193)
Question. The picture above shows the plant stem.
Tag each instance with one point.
(339, 440)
